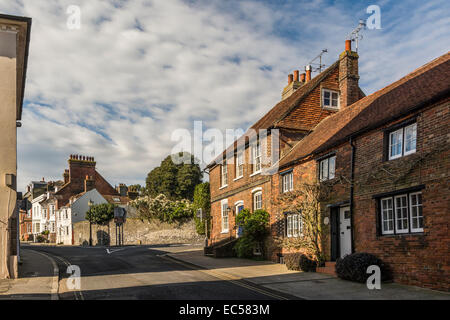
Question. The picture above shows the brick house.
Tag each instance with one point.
(83, 185)
(393, 145)
(239, 177)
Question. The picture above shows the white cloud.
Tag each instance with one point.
(137, 70)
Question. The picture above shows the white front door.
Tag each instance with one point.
(345, 232)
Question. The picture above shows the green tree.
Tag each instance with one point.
(100, 214)
(202, 200)
(175, 180)
(255, 229)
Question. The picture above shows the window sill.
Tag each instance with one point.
(330, 108)
(381, 236)
(255, 173)
(225, 186)
(238, 178)
(225, 232)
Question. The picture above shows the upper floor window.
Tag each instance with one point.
(256, 157)
(294, 225)
(257, 200)
(327, 168)
(330, 99)
(225, 221)
(224, 174)
(403, 141)
(401, 214)
(239, 164)
(288, 181)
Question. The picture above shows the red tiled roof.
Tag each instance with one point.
(417, 88)
(281, 110)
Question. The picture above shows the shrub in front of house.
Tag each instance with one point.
(299, 262)
(41, 239)
(353, 267)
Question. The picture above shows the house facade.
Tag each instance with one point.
(83, 186)
(382, 162)
(241, 177)
(14, 47)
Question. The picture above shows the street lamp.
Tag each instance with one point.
(90, 204)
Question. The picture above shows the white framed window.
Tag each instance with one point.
(403, 141)
(225, 220)
(256, 150)
(29, 228)
(402, 214)
(67, 230)
(294, 225)
(330, 99)
(37, 227)
(416, 215)
(257, 200)
(52, 227)
(52, 210)
(239, 164)
(327, 168)
(288, 182)
(387, 216)
(224, 174)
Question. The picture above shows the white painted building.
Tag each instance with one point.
(75, 212)
(39, 220)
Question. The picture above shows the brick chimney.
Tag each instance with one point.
(89, 183)
(79, 168)
(303, 77)
(122, 189)
(308, 73)
(133, 194)
(66, 176)
(293, 84)
(348, 76)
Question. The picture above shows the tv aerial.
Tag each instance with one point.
(355, 35)
(317, 66)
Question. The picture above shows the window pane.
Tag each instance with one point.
(416, 212)
(387, 216)
(410, 138)
(325, 169)
(332, 167)
(396, 143)
(401, 210)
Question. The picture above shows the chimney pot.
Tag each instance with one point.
(348, 45)
(296, 75)
(308, 73)
(290, 78)
(302, 77)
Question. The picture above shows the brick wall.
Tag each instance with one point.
(417, 259)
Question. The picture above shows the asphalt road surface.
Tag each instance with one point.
(141, 273)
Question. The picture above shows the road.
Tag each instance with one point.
(141, 273)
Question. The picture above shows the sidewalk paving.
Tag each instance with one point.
(304, 285)
(36, 279)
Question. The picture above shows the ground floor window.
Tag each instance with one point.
(401, 214)
(257, 200)
(293, 225)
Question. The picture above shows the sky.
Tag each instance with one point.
(137, 70)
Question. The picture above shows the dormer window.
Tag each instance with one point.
(402, 142)
(330, 99)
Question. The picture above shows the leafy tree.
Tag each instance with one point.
(255, 229)
(162, 208)
(175, 180)
(100, 214)
(202, 200)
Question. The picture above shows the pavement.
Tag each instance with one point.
(38, 279)
(303, 285)
(178, 272)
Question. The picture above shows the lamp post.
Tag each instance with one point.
(90, 204)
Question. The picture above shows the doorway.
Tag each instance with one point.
(341, 232)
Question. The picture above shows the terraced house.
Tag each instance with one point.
(240, 177)
(383, 160)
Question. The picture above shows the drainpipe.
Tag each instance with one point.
(352, 173)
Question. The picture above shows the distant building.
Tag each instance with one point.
(83, 185)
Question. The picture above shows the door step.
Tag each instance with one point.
(328, 269)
